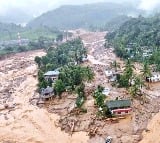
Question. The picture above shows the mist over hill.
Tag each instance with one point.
(16, 16)
(21, 12)
(83, 16)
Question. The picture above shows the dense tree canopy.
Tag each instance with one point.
(85, 16)
(71, 52)
(67, 58)
(138, 39)
(141, 31)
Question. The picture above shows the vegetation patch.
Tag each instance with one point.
(138, 39)
(66, 58)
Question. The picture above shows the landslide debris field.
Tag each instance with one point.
(22, 122)
(124, 130)
(56, 121)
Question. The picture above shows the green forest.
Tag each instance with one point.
(38, 38)
(138, 39)
(90, 16)
(67, 58)
(9, 31)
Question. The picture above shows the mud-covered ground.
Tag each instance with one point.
(20, 121)
(124, 130)
(57, 121)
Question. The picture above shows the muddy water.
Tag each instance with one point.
(27, 123)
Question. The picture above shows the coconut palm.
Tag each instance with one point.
(115, 65)
(128, 71)
(129, 67)
(137, 85)
(146, 71)
(127, 76)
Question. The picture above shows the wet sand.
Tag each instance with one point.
(27, 123)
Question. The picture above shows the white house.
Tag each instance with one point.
(155, 77)
(53, 75)
(113, 78)
(106, 91)
(108, 73)
(111, 75)
(85, 58)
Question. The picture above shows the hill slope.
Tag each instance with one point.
(70, 16)
(138, 39)
(17, 16)
(9, 31)
(116, 22)
(140, 31)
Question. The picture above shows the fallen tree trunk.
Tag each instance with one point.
(6, 107)
(72, 128)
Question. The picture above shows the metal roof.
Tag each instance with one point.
(52, 73)
(118, 103)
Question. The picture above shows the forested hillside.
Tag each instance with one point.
(138, 38)
(14, 15)
(141, 31)
(116, 22)
(10, 32)
(14, 38)
(83, 16)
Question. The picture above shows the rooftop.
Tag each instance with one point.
(52, 73)
(118, 103)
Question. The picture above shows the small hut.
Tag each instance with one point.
(106, 91)
(47, 93)
(111, 75)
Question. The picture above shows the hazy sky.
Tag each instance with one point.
(36, 7)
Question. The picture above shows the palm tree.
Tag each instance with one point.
(89, 74)
(99, 98)
(115, 65)
(59, 87)
(128, 71)
(127, 76)
(146, 71)
(129, 65)
(137, 86)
